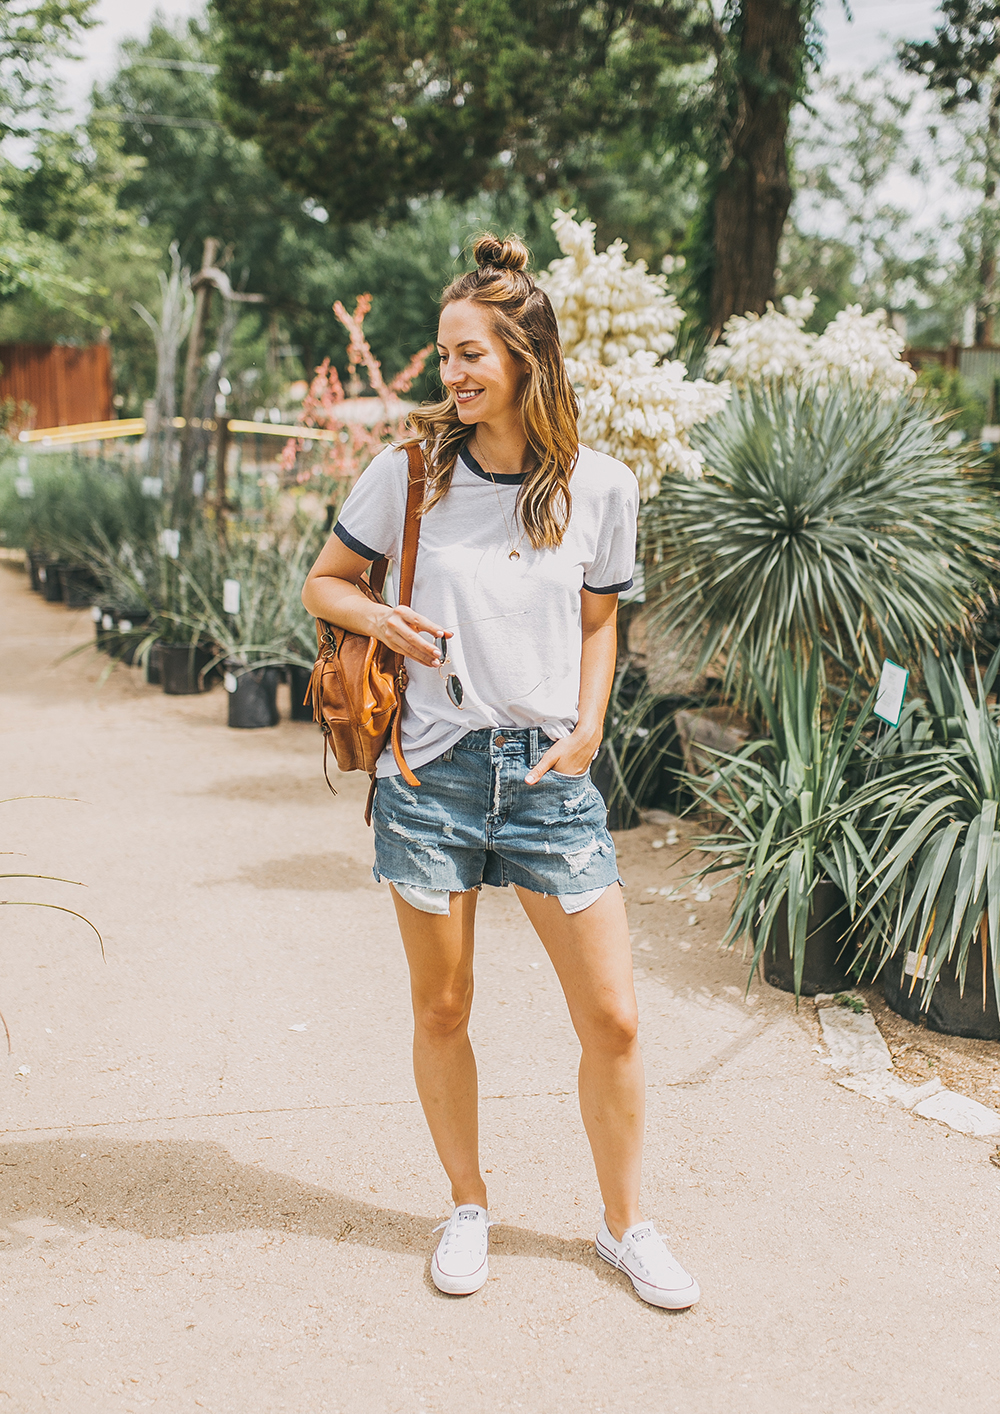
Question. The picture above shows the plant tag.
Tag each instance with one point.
(990, 435)
(24, 486)
(910, 966)
(95, 614)
(170, 543)
(198, 483)
(152, 486)
(230, 682)
(107, 622)
(891, 691)
(231, 596)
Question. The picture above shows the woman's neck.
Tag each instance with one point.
(504, 449)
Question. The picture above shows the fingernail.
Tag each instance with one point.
(529, 780)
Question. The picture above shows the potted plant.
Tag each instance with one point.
(255, 618)
(931, 905)
(148, 601)
(788, 806)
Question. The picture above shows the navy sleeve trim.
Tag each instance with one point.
(610, 588)
(355, 545)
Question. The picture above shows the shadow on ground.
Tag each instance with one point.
(278, 789)
(178, 1189)
(314, 873)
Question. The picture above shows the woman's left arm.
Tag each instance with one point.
(573, 754)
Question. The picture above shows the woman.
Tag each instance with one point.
(526, 539)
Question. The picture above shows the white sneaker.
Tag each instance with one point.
(460, 1265)
(643, 1256)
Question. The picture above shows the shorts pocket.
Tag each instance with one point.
(564, 776)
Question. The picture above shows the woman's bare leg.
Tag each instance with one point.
(439, 950)
(592, 956)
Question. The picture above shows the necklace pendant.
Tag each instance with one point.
(514, 555)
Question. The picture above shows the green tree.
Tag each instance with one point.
(854, 237)
(32, 34)
(962, 65)
(417, 97)
(459, 97)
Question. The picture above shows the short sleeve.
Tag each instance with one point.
(371, 519)
(610, 571)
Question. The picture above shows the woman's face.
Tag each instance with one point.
(476, 366)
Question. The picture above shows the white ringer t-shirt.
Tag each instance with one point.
(516, 624)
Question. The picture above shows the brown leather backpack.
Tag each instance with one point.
(357, 683)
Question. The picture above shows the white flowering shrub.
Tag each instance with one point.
(616, 322)
(860, 348)
(769, 345)
(642, 411)
(863, 347)
(608, 307)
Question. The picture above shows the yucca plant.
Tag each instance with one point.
(791, 806)
(842, 519)
(38, 903)
(271, 626)
(934, 883)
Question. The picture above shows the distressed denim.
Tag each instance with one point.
(473, 821)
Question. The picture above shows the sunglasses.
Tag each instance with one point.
(452, 682)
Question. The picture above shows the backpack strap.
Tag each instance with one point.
(416, 482)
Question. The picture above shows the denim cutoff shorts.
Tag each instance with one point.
(473, 821)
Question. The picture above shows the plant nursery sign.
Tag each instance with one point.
(891, 691)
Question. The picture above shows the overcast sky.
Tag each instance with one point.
(854, 45)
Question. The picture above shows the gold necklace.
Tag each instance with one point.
(515, 553)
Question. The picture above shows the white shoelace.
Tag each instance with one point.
(657, 1251)
(462, 1235)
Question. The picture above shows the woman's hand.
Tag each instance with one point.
(399, 628)
(570, 757)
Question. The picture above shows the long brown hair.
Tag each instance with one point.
(524, 320)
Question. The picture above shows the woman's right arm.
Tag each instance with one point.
(331, 592)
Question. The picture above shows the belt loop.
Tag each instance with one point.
(533, 756)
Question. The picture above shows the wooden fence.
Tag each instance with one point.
(63, 385)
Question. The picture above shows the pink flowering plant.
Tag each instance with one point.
(362, 426)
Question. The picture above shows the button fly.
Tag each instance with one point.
(500, 741)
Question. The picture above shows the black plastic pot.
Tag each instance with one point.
(154, 665)
(51, 576)
(298, 681)
(252, 696)
(181, 665)
(36, 563)
(949, 1013)
(79, 586)
(129, 639)
(824, 970)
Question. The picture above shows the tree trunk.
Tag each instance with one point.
(754, 190)
(986, 305)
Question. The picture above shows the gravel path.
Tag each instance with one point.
(216, 1188)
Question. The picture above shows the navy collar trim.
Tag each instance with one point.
(477, 470)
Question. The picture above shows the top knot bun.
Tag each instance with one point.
(511, 254)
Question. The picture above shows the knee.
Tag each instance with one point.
(444, 1015)
(613, 1030)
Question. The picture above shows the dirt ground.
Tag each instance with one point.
(216, 1188)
